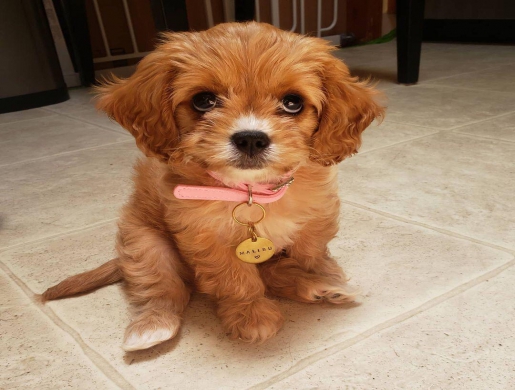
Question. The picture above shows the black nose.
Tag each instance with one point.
(250, 142)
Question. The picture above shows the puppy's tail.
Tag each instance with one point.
(105, 274)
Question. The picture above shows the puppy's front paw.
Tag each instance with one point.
(148, 330)
(252, 322)
(332, 294)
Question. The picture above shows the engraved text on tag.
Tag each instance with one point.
(256, 251)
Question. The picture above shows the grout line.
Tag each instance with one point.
(65, 153)
(396, 144)
(430, 227)
(438, 130)
(463, 88)
(480, 121)
(96, 359)
(326, 352)
(57, 235)
(89, 122)
(25, 120)
(446, 130)
(485, 138)
(387, 121)
(464, 73)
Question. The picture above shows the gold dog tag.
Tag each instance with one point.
(254, 249)
(257, 251)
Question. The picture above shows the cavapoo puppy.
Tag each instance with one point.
(242, 126)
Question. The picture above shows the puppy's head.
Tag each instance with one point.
(247, 101)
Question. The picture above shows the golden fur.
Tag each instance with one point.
(169, 247)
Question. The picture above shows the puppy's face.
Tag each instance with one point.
(247, 101)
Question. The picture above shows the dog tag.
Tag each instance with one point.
(255, 251)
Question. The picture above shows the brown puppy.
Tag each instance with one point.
(239, 103)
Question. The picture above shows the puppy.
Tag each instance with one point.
(226, 117)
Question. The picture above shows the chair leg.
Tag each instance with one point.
(410, 17)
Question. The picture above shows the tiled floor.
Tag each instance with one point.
(427, 232)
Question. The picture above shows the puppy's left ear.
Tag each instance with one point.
(349, 108)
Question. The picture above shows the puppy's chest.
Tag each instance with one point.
(280, 229)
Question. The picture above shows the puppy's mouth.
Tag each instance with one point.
(250, 162)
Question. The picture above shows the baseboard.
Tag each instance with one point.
(33, 100)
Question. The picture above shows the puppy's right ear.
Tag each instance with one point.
(143, 105)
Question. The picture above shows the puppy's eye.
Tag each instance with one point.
(204, 101)
(292, 104)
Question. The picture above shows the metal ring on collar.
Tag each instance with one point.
(250, 222)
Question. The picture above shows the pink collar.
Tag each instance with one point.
(261, 193)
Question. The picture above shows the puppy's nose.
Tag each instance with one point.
(250, 142)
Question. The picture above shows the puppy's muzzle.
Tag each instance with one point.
(250, 142)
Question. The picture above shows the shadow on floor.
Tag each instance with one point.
(373, 74)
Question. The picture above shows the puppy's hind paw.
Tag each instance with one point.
(148, 332)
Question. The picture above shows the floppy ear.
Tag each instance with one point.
(142, 104)
(348, 110)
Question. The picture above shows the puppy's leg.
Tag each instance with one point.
(237, 287)
(287, 277)
(309, 273)
(155, 286)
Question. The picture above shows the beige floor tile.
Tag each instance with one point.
(54, 195)
(500, 79)
(488, 53)
(444, 107)
(449, 59)
(80, 99)
(410, 266)
(93, 116)
(448, 180)
(358, 55)
(362, 61)
(438, 60)
(81, 106)
(466, 342)
(379, 77)
(23, 115)
(502, 128)
(36, 138)
(35, 353)
(389, 133)
(467, 57)
(382, 74)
